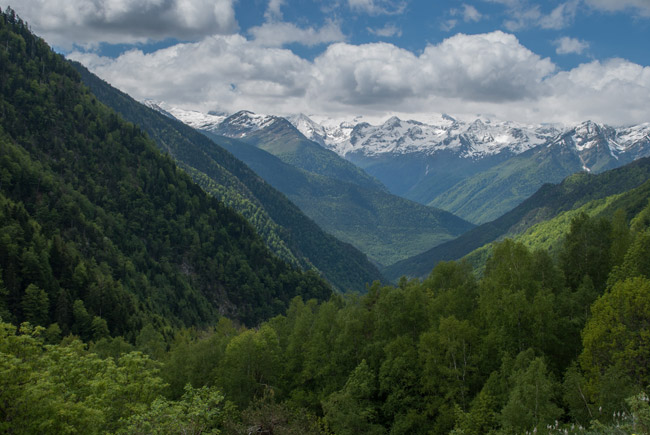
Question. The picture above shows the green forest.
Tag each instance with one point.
(132, 302)
(105, 232)
(536, 345)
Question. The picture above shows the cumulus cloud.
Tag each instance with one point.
(468, 14)
(82, 22)
(277, 34)
(560, 17)
(566, 45)
(449, 25)
(615, 91)
(488, 67)
(378, 7)
(226, 72)
(274, 10)
(464, 74)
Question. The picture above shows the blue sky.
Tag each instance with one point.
(552, 61)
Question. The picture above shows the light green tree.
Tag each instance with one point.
(618, 332)
(531, 403)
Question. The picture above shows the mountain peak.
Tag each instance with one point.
(446, 117)
(392, 122)
(245, 121)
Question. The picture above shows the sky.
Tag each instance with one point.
(563, 61)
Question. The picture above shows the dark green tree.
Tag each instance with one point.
(36, 306)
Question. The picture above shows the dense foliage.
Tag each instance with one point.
(107, 250)
(285, 229)
(102, 234)
(537, 345)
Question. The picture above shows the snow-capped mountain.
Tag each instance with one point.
(478, 139)
(596, 143)
(477, 170)
(395, 136)
(475, 140)
(193, 118)
(243, 123)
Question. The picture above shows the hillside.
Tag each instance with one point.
(384, 226)
(285, 229)
(546, 203)
(100, 232)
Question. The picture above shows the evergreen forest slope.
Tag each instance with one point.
(549, 201)
(286, 230)
(101, 232)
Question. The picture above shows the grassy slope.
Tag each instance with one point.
(488, 195)
(548, 202)
(548, 235)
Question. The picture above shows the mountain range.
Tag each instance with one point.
(476, 170)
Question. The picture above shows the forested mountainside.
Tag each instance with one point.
(548, 235)
(286, 230)
(537, 345)
(385, 227)
(548, 202)
(102, 234)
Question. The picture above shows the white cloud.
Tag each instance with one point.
(387, 31)
(521, 18)
(274, 10)
(487, 67)
(522, 14)
(277, 34)
(470, 14)
(378, 7)
(561, 17)
(449, 25)
(615, 91)
(464, 74)
(226, 72)
(566, 45)
(83, 22)
(641, 6)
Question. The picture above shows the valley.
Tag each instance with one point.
(171, 271)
